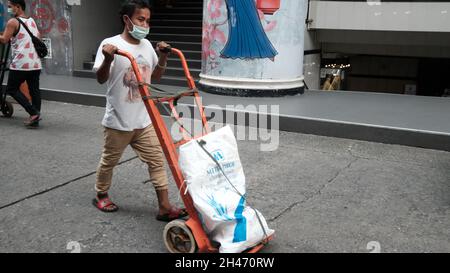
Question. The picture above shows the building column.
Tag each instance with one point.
(253, 47)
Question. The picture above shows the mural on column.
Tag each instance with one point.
(247, 38)
(53, 19)
(256, 39)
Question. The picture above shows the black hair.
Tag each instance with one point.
(130, 6)
(21, 3)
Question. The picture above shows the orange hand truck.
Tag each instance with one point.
(180, 236)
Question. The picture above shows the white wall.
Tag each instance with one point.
(389, 43)
(311, 71)
(311, 62)
(387, 16)
(311, 42)
(93, 21)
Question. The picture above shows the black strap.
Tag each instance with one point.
(25, 26)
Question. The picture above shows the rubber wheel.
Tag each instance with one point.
(178, 238)
(8, 111)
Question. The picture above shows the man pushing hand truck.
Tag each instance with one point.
(127, 63)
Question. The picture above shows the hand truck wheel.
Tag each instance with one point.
(8, 110)
(178, 238)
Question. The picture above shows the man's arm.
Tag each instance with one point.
(11, 28)
(162, 61)
(104, 70)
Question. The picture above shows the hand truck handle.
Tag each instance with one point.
(189, 78)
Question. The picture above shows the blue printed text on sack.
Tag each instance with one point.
(226, 166)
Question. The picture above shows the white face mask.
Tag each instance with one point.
(138, 32)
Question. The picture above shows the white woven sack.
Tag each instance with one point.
(223, 211)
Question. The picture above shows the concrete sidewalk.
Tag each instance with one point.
(320, 194)
(415, 121)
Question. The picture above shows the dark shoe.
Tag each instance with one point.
(33, 121)
(35, 125)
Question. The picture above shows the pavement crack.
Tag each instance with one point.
(59, 186)
(351, 153)
(285, 211)
(317, 193)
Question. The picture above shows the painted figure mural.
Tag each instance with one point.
(268, 6)
(218, 44)
(247, 38)
(253, 46)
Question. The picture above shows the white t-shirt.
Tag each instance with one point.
(24, 56)
(125, 110)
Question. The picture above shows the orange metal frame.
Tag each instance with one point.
(169, 147)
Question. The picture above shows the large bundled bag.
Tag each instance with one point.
(220, 199)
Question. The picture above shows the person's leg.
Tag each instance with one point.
(115, 142)
(148, 148)
(32, 80)
(15, 79)
(33, 86)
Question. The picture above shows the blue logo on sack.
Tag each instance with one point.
(218, 155)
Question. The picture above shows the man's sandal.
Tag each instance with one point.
(172, 215)
(105, 205)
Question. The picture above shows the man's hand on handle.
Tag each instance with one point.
(163, 48)
(103, 72)
(109, 51)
